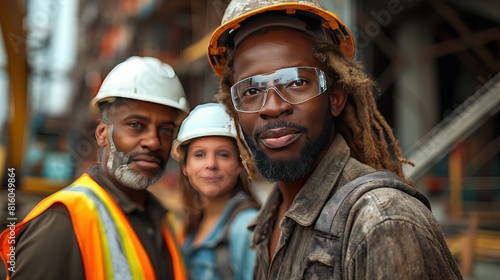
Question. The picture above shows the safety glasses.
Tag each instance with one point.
(294, 85)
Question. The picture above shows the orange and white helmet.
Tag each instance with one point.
(242, 17)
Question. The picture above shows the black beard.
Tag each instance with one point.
(297, 168)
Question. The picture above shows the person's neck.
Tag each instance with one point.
(211, 213)
(137, 196)
(290, 189)
(214, 207)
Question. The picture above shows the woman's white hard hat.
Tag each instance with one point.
(210, 119)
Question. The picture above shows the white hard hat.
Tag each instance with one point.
(210, 119)
(144, 79)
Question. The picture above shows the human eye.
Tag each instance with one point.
(297, 83)
(251, 91)
(224, 154)
(168, 130)
(135, 125)
(198, 154)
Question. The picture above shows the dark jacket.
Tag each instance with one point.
(390, 234)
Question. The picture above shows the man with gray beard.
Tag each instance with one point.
(106, 225)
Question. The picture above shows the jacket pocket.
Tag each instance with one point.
(319, 261)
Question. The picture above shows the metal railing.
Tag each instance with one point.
(461, 123)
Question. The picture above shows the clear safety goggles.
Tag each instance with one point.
(294, 85)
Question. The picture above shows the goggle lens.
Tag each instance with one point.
(294, 85)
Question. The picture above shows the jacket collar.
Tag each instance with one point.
(308, 203)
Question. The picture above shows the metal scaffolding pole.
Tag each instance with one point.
(462, 122)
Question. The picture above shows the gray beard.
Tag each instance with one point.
(297, 168)
(129, 178)
(118, 165)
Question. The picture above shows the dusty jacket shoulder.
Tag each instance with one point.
(392, 235)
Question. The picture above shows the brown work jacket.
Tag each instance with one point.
(389, 234)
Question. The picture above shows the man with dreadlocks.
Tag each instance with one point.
(342, 208)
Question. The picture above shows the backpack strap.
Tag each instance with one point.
(340, 204)
(222, 257)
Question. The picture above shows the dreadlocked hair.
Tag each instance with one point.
(361, 124)
(224, 97)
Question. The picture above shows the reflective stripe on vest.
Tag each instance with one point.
(109, 246)
(116, 263)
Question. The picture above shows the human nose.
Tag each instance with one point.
(211, 162)
(151, 140)
(274, 103)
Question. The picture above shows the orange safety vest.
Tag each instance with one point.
(108, 244)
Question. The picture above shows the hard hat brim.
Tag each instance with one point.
(217, 48)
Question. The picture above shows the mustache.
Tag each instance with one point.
(278, 124)
(155, 155)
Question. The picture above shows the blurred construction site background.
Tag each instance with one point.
(437, 63)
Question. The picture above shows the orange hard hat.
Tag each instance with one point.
(309, 16)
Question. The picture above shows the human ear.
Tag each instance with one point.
(101, 134)
(338, 98)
